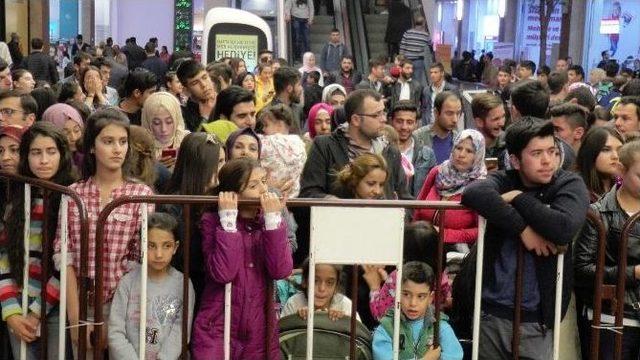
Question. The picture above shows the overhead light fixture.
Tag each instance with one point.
(502, 8)
(439, 12)
(459, 9)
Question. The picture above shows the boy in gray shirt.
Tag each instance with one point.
(164, 300)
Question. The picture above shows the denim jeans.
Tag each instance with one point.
(419, 71)
(300, 37)
(630, 344)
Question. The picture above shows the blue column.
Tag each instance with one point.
(68, 19)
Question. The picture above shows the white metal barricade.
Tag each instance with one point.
(478, 296)
(344, 235)
(64, 203)
(25, 272)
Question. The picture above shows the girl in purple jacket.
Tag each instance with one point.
(247, 246)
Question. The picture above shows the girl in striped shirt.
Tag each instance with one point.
(44, 154)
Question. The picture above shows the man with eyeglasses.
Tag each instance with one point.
(362, 133)
(17, 109)
(439, 135)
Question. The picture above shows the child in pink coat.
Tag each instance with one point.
(246, 246)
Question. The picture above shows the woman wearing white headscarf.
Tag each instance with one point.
(5, 54)
(161, 115)
(334, 95)
(309, 65)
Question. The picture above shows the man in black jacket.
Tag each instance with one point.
(406, 88)
(366, 118)
(154, 63)
(538, 206)
(40, 65)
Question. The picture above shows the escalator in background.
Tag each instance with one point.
(369, 20)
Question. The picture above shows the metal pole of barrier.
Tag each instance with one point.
(396, 317)
(354, 309)
(25, 271)
(598, 285)
(144, 240)
(517, 308)
(64, 251)
(186, 263)
(438, 282)
(477, 301)
(311, 293)
(46, 249)
(558, 309)
(620, 288)
(227, 321)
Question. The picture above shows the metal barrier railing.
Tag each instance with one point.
(188, 201)
(48, 188)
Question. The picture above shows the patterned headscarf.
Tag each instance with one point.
(449, 180)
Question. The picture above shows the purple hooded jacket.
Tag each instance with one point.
(250, 258)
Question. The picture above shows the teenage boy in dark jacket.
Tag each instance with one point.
(541, 207)
(366, 118)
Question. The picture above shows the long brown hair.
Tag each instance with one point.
(592, 144)
(15, 218)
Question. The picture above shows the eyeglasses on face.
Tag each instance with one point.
(9, 111)
(379, 114)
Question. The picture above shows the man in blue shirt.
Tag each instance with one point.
(439, 135)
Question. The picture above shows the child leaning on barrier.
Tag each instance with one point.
(245, 245)
(163, 327)
(44, 155)
(416, 321)
(326, 298)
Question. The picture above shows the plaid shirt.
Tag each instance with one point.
(121, 232)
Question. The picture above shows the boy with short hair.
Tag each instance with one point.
(542, 207)
(416, 322)
(332, 53)
(164, 299)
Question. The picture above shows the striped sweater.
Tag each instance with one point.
(10, 293)
(414, 44)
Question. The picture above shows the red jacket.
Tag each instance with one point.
(460, 226)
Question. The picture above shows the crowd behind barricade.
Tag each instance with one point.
(531, 155)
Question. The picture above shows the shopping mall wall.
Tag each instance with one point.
(144, 19)
(17, 20)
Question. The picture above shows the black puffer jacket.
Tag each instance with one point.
(329, 154)
(586, 248)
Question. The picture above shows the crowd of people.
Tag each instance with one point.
(529, 155)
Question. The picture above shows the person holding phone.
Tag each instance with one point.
(490, 116)
(161, 115)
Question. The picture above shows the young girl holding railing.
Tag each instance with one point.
(327, 296)
(44, 155)
(245, 245)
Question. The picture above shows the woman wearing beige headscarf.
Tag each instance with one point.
(161, 115)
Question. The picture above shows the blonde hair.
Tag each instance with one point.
(168, 102)
(351, 175)
(391, 135)
(141, 147)
(630, 154)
